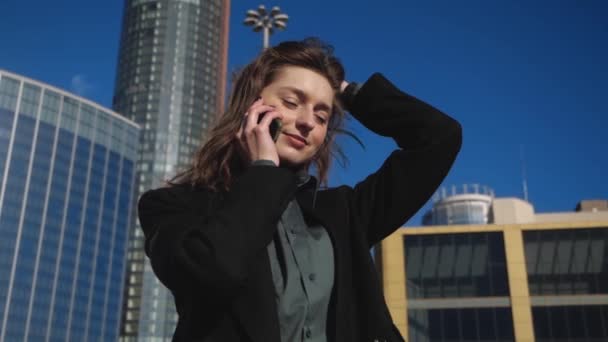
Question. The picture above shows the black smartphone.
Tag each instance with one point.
(274, 127)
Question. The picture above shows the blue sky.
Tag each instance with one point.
(518, 75)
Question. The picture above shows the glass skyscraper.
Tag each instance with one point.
(67, 169)
(171, 80)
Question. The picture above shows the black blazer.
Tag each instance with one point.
(209, 248)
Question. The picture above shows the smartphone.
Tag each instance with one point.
(274, 127)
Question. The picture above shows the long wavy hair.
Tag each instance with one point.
(218, 161)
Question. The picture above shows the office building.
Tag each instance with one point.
(67, 169)
(526, 277)
(171, 80)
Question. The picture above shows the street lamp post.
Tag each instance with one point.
(264, 21)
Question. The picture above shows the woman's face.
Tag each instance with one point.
(305, 99)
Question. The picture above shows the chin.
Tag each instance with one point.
(294, 159)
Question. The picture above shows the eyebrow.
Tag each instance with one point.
(303, 96)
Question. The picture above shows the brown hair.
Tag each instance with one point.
(218, 161)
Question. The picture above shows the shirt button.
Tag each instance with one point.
(312, 277)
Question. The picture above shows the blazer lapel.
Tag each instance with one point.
(255, 306)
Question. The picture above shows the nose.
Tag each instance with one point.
(306, 119)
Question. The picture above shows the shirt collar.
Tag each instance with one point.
(305, 180)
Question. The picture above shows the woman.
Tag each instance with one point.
(250, 247)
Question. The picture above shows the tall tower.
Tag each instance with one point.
(469, 204)
(171, 79)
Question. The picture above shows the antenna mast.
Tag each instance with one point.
(523, 172)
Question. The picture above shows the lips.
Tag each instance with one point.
(296, 140)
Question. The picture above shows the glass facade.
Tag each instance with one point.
(580, 323)
(456, 266)
(170, 80)
(566, 262)
(67, 171)
(568, 281)
(457, 287)
(474, 324)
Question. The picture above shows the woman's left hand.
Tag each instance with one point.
(343, 86)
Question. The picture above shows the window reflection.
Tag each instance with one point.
(571, 323)
(455, 265)
(470, 324)
(567, 261)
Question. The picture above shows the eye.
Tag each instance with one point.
(289, 103)
(321, 119)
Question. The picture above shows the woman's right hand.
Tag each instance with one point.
(254, 137)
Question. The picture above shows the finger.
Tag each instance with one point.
(257, 101)
(262, 130)
(262, 108)
(268, 117)
(254, 106)
(253, 116)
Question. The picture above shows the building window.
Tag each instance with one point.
(567, 262)
(470, 324)
(455, 265)
(570, 323)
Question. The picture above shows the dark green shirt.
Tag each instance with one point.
(302, 264)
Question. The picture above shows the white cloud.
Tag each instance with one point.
(80, 85)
